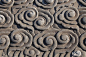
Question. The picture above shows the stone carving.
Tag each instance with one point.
(26, 16)
(77, 52)
(6, 3)
(6, 18)
(67, 40)
(19, 2)
(82, 41)
(83, 2)
(32, 52)
(46, 41)
(4, 41)
(44, 20)
(46, 3)
(65, 1)
(81, 19)
(21, 39)
(67, 16)
(42, 28)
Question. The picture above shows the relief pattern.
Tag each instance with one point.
(42, 28)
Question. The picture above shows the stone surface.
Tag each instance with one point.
(42, 28)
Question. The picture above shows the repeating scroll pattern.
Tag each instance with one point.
(42, 28)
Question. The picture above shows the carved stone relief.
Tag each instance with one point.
(42, 28)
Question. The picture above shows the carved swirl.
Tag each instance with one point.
(26, 16)
(44, 20)
(67, 40)
(67, 17)
(45, 41)
(31, 51)
(46, 3)
(6, 19)
(20, 39)
(4, 41)
(6, 3)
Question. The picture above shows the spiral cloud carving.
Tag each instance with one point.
(67, 40)
(44, 20)
(45, 41)
(26, 16)
(4, 41)
(67, 17)
(20, 39)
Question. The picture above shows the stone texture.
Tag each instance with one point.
(42, 28)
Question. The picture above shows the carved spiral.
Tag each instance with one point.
(67, 17)
(20, 39)
(6, 19)
(4, 41)
(26, 16)
(45, 41)
(31, 51)
(18, 2)
(44, 20)
(6, 3)
(46, 3)
(67, 40)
